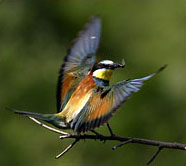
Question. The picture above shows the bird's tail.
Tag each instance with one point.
(49, 118)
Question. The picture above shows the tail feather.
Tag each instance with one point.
(31, 114)
(49, 118)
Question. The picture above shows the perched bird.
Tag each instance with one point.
(85, 100)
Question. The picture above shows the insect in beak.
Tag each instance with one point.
(117, 65)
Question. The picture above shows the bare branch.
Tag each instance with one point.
(143, 141)
(123, 143)
(125, 140)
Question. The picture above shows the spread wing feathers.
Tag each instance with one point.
(102, 105)
(79, 60)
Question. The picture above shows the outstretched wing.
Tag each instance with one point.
(103, 104)
(79, 60)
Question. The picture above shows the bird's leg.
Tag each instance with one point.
(110, 130)
(95, 132)
(98, 135)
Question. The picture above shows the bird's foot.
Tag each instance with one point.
(110, 130)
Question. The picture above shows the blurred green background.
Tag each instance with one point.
(34, 37)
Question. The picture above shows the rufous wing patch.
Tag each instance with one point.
(69, 82)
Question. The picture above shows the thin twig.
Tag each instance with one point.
(123, 143)
(67, 149)
(154, 155)
(48, 127)
(64, 136)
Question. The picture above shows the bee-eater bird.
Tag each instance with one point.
(85, 100)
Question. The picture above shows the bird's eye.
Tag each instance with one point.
(100, 65)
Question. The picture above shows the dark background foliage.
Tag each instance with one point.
(34, 37)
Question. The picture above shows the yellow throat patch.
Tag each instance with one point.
(104, 74)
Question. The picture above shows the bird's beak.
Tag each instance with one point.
(117, 65)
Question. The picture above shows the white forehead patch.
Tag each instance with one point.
(107, 62)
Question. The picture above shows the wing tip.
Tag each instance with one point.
(161, 68)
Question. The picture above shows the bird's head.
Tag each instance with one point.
(103, 70)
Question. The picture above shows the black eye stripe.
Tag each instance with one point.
(104, 65)
(101, 65)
